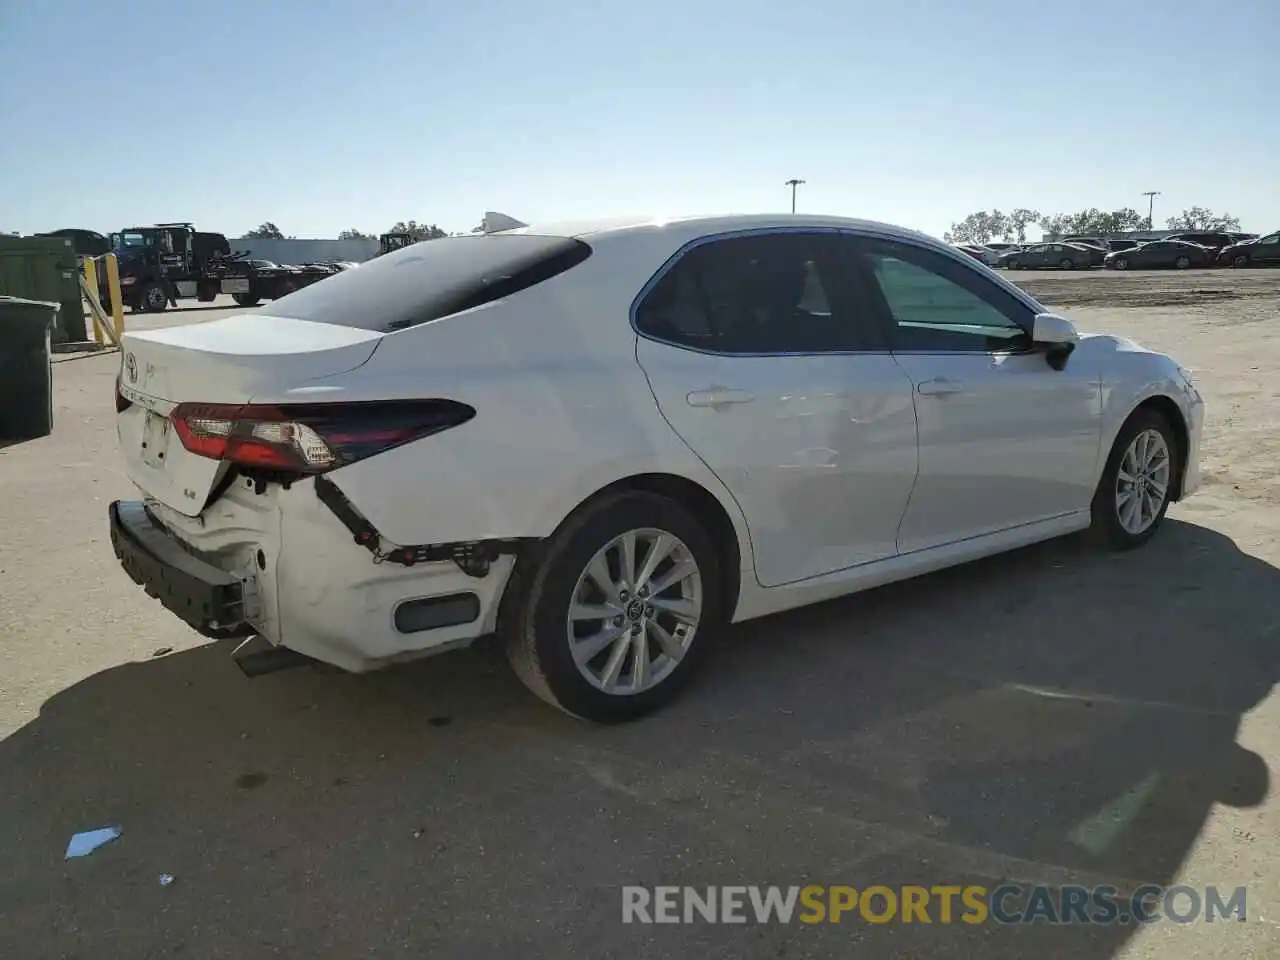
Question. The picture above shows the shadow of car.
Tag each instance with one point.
(994, 721)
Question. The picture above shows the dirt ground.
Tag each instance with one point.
(1056, 715)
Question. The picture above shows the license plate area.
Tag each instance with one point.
(155, 440)
(235, 285)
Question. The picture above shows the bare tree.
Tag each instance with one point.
(978, 228)
(265, 231)
(419, 231)
(1016, 224)
(1201, 218)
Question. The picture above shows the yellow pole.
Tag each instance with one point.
(91, 280)
(113, 291)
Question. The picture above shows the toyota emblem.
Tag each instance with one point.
(131, 367)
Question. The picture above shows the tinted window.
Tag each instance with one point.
(759, 294)
(1273, 238)
(433, 279)
(938, 304)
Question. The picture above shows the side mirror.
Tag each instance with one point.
(1056, 335)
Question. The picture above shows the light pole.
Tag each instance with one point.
(1151, 207)
(793, 183)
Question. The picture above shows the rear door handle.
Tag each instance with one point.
(940, 385)
(718, 397)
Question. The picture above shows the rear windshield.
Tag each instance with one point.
(432, 279)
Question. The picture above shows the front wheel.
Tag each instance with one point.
(619, 610)
(154, 298)
(1240, 260)
(246, 299)
(1136, 484)
(1066, 264)
(1182, 263)
(1122, 263)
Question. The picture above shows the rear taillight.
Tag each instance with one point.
(122, 402)
(313, 438)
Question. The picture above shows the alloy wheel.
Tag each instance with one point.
(634, 611)
(1142, 482)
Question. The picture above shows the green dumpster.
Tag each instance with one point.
(45, 268)
(26, 372)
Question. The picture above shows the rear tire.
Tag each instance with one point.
(1240, 260)
(246, 299)
(1122, 263)
(540, 638)
(1182, 263)
(1142, 472)
(1065, 264)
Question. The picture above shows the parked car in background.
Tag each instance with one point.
(1123, 244)
(1041, 256)
(1097, 243)
(1003, 246)
(601, 443)
(1160, 254)
(980, 253)
(1264, 251)
(1213, 240)
(1097, 248)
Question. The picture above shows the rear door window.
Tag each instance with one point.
(432, 279)
(762, 294)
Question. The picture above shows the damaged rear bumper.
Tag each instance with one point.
(301, 567)
(473, 557)
(207, 598)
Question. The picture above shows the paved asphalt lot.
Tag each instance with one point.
(1058, 715)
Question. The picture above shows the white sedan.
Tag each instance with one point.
(599, 443)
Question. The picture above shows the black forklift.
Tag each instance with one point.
(164, 263)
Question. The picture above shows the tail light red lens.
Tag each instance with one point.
(309, 439)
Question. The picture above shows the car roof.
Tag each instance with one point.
(710, 224)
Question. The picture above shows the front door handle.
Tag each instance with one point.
(718, 397)
(940, 385)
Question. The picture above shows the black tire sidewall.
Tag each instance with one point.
(157, 305)
(1106, 520)
(543, 610)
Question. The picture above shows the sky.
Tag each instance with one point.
(321, 116)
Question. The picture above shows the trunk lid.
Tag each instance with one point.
(229, 361)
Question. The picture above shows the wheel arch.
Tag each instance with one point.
(731, 543)
(1168, 409)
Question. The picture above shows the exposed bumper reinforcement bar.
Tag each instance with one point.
(473, 557)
